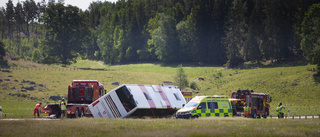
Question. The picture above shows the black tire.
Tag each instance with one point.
(254, 114)
(265, 114)
(76, 114)
(195, 116)
(82, 113)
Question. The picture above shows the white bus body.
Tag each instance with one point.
(138, 101)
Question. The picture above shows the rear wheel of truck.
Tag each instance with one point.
(76, 114)
(82, 113)
(254, 114)
(265, 114)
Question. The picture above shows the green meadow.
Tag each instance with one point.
(294, 86)
(202, 127)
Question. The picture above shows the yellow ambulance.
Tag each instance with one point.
(206, 106)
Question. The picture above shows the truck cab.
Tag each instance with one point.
(259, 103)
(80, 94)
(84, 91)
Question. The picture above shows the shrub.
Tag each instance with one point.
(194, 85)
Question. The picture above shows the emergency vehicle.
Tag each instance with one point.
(259, 103)
(138, 101)
(80, 94)
(206, 106)
(187, 95)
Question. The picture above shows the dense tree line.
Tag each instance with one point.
(214, 32)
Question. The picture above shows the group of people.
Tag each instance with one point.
(280, 110)
(62, 105)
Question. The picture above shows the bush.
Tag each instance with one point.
(36, 56)
(194, 85)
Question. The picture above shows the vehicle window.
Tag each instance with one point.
(88, 93)
(101, 91)
(73, 93)
(254, 102)
(202, 106)
(212, 105)
(177, 96)
(126, 98)
(147, 96)
(191, 104)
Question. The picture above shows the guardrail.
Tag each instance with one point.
(299, 117)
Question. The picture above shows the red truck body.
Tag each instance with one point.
(187, 95)
(81, 93)
(259, 103)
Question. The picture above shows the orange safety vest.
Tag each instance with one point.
(246, 110)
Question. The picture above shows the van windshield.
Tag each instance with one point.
(191, 105)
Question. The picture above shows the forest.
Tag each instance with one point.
(203, 32)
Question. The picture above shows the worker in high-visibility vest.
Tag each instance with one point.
(63, 108)
(246, 110)
(280, 110)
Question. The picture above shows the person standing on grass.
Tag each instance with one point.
(280, 110)
(36, 110)
(246, 110)
(63, 108)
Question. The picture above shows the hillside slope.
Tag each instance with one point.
(293, 85)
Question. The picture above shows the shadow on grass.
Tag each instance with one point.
(96, 69)
(316, 77)
(274, 64)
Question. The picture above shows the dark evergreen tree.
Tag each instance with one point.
(236, 31)
(3, 22)
(310, 35)
(30, 8)
(2, 51)
(9, 13)
(251, 50)
(19, 18)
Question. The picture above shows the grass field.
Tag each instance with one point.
(203, 127)
(293, 85)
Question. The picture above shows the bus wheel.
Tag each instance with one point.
(76, 115)
(82, 112)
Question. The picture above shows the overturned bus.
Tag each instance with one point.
(138, 101)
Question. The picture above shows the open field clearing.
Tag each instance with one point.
(292, 85)
(162, 127)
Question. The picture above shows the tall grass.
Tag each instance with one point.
(161, 127)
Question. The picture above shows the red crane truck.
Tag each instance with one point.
(81, 93)
(259, 103)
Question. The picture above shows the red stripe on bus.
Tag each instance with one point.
(151, 103)
(95, 103)
(164, 97)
